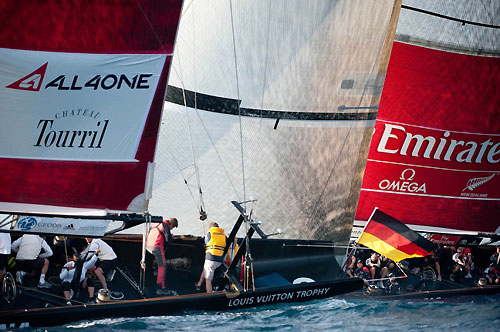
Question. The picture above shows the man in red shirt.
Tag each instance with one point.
(159, 238)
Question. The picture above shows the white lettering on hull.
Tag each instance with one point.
(280, 297)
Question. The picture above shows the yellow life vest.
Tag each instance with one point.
(217, 242)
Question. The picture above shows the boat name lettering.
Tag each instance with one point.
(392, 142)
(312, 292)
(70, 138)
(403, 186)
(271, 298)
(108, 82)
(77, 112)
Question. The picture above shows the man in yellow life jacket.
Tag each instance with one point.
(215, 243)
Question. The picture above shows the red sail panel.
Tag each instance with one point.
(434, 159)
(82, 96)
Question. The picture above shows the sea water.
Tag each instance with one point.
(474, 314)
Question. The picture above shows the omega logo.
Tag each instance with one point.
(404, 184)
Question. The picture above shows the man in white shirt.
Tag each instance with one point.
(4, 252)
(68, 273)
(107, 259)
(29, 258)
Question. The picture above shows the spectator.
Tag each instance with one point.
(462, 262)
(431, 261)
(492, 274)
(351, 266)
(362, 271)
(374, 263)
(495, 258)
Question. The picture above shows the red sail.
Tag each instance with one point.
(77, 140)
(434, 157)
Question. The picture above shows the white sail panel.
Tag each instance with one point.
(306, 78)
(89, 107)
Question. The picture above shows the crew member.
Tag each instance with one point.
(68, 273)
(105, 266)
(29, 258)
(159, 239)
(215, 245)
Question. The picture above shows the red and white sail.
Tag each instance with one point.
(434, 160)
(82, 86)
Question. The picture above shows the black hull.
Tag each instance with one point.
(174, 304)
(427, 295)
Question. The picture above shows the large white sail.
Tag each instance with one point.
(286, 97)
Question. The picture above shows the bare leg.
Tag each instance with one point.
(100, 275)
(384, 272)
(45, 266)
(202, 278)
(208, 285)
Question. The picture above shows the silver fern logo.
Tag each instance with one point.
(476, 182)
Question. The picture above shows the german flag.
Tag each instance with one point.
(393, 239)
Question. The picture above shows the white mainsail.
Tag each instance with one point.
(308, 76)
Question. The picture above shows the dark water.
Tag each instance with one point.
(477, 314)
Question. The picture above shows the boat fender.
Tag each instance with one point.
(302, 280)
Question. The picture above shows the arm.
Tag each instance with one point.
(16, 244)
(91, 262)
(47, 251)
(65, 270)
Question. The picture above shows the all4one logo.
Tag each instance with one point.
(26, 223)
(33, 81)
(405, 183)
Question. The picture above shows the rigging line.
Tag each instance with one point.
(464, 22)
(238, 105)
(181, 78)
(218, 154)
(192, 143)
(184, 178)
(259, 151)
(151, 26)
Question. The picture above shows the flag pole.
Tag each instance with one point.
(369, 219)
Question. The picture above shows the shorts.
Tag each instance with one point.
(30, 265)
(209, 268)
(3, 260)
(66, 285)
(107, 266)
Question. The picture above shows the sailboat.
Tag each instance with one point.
(432, 162)
(269, 112)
